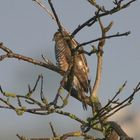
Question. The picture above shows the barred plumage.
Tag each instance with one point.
(62, 53)
(63, 57)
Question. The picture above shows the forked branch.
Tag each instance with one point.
(10, 54)
(43, 107)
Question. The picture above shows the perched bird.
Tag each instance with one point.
(80, 82)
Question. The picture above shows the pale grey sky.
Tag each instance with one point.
(26, 29)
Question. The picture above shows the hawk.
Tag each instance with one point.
(80, 68)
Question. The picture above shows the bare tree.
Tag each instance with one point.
(73, 67)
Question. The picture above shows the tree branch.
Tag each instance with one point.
(56, 17)
(47, 64)
(115, 127)
(101, 38)
(101, 44)
(39, 2)
(64, 136)
(92, 20)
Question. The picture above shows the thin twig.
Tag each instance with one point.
(56, 17)
(106, 113)
(40, 3)
(52, 15)
(11, 54)
(101, 44)
(95, 17)
(101, 38)
(53, 131)
(118, 130)
(63, 137)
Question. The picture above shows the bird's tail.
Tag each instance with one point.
(83, 99)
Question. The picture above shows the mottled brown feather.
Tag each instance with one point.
(63, 56)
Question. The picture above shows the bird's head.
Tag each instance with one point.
(57, 36)
(61, 35)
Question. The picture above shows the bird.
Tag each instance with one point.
(63, 46)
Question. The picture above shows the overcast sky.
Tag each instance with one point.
(26, 29)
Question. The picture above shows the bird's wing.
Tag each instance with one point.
(81, 69)
(63, 54)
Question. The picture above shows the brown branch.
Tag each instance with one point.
(63, 137)
(42, 96)
(47, 64)
(109, 102)
(101, 38)
(101, 44)
(52, 15)
(123, 103)
(94, 3)
(9, 106)
(47, 111)
(92, 20)
(39, 139)
(24, 138)
(27, 97)
(103, 113)
(72, 116)
(56, 17)
(42, 110)
(107, 111)
(39, 2)
(53, 131)
(76, 134)
(11, 54)
(115, 127)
